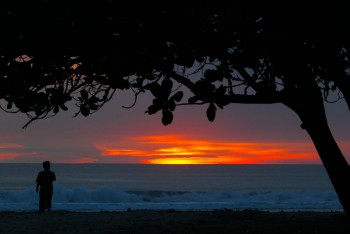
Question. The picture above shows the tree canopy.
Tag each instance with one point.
(209, 53)
(223, 52)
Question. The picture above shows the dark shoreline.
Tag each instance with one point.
(172, 221)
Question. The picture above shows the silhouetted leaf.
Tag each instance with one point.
(221, 90)
(212, 59)
(93, 106)
(56, 109)
(9, 105)
(211, 75)
(189, 61)
(63, 107)
(200, 59)
(171, 105)
(93, 99)
(178, 96)
(84, 111)
(193, 99)
(155, 89)
(84, 94)
(222, 101)
(152, 109)
(167, 85)
(211, 112)
(167, 117)
(121, 84)
(185, 58)
(150, 77)
(38, 111)
(158, 102)
(204, 86)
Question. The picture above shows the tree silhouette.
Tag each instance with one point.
(210, 53)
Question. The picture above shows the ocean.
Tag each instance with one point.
(120, 187)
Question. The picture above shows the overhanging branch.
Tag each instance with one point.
(233, 98)
(254, 99)
(182, 80)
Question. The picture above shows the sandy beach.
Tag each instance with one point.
(171, 221)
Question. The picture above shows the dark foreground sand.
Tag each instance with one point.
(167, 222)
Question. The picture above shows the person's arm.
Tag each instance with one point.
(37, 184)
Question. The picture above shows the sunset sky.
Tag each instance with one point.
(259, 134)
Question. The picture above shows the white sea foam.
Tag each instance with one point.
(97, 187)
(114, 199)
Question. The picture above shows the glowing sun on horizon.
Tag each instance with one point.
(177, 149)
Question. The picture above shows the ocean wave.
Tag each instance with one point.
(114, 199)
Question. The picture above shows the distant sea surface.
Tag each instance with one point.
(118, 187)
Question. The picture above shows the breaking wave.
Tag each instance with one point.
(114, 199)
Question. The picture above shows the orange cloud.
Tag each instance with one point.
(176, 149)
(117, 152)
(5, 156)
(11, 151)
(82, 160)
(11, 146)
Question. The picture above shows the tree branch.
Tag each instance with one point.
(254, 99)
(184, 81)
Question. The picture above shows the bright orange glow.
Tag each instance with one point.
(176, 149)
(173, 161)
(116, 152)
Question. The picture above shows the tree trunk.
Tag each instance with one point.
(333, 160)
(306, 100)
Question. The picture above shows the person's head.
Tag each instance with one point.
(46, 165)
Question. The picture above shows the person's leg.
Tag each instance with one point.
(49, 201)
(42, 202)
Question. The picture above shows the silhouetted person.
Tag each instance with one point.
(44, 186)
